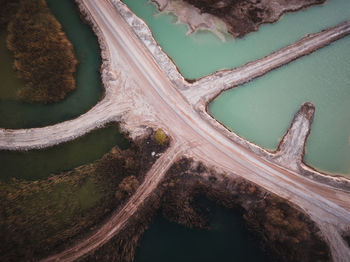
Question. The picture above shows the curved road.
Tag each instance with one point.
(156, 102)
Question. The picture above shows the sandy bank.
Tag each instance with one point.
(240, 17)
(153, 98)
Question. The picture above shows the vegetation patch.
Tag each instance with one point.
(7, 12)
(39, 214)
(37, 217)
(285, 232)
(245, 16)
(44, 57)
(161, 137)
(122, 247)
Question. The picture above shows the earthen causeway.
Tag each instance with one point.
(144, 89)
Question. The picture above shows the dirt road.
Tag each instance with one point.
(151, 99)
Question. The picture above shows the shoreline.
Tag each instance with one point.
(89, 89)
(101, 42)
(192, 17)
(151, 44)
(233, 193)
(204, 16)
(110, 175)
(62, 69)
(328, 213)
(169, 68)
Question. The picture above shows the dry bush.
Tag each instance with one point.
(44, 57)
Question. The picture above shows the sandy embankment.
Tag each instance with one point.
(240, 17)
(156, 100)
(192, 17)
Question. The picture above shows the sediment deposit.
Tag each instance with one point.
(241, 17)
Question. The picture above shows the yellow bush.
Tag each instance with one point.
(160, 137)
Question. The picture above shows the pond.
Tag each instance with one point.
(203, 53)
(16, 114)
(262, 110)
(226, 240)
(39, 164)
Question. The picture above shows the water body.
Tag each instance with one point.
(227, 240)
(15, 114)
(38, 164)
(261, 111)
(321, 78)
(203, 53)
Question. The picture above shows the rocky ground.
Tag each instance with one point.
(241, 16)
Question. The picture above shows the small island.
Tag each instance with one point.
(44, 57)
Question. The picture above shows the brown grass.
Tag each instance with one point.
(44, 57)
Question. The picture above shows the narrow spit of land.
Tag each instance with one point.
(209, 87)
(198, 94)
(119, 220)
(149, 98)
(157, 102)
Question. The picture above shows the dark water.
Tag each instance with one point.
(14, 114)
(227, 241)
(38, 164)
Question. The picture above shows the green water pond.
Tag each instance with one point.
(262, 110)
(16, 114)
(203, 53)
(39, 164)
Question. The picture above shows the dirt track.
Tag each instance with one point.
(118, 220)
(149, 98)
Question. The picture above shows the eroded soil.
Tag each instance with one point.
(245, 16)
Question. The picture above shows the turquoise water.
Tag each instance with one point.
(227, 240)
(38, 164)
(203, 53)
(262, 110)
(321, 78)
(14, 114)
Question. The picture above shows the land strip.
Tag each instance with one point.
(207, 88)
(198, 94)
(151, 99)
(119, 219)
